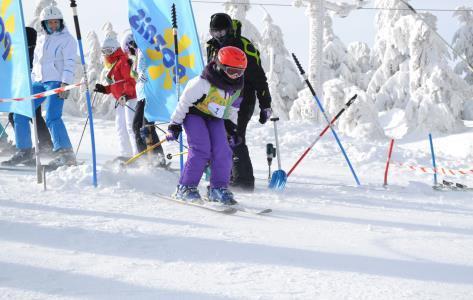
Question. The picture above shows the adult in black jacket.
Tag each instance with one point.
(227, 32)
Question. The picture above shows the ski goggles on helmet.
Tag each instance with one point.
(233, 72)
(218, 33)
(108, 51)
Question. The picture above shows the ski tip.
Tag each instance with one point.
(265, 211)
(229, 210)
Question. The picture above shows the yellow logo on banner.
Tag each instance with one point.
(167, 57)
(7, 25)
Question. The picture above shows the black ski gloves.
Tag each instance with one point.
(234, 139)
(265, 114)
(174, 130)
(100, 89)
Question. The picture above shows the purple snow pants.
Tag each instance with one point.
(208, 142)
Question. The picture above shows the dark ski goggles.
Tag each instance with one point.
(218, 33)
(233, 72)
(108, 51)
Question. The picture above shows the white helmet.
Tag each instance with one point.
(110, 44)
(50, 13)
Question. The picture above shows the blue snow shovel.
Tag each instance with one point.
(279, 177)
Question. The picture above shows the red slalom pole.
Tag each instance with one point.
(352, 99)
(388, 162)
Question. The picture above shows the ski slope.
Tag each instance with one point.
(326, 238)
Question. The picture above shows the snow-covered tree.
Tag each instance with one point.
(283, 79)
(334, 55)
(437, 93)
(391, 43)
(463, 42)
(94, 69)
(361, 118)
(384, 21)
(238, 9)
(359, 63)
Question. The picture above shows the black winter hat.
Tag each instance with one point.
(220, 21)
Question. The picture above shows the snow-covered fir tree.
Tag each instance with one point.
(361, 118)
(437, 93)
(334, 55)
(283, 79)
(463, 42)
(238, 9)
(389, 52)
(360, 64)
(94, 69)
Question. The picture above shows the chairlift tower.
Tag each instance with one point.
(316, 13)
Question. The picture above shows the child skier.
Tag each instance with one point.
(205, 103)
(122, 87)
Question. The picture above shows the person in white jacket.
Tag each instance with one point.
(205, 103)
(53, 67)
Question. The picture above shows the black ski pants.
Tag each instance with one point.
(242, 170)
(138, 122)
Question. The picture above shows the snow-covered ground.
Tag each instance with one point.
(326, 239)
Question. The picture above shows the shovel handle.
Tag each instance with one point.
(277, 141)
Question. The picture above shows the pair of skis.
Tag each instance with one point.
(452, 186)
(216, 207)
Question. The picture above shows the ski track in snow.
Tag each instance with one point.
(326, 237)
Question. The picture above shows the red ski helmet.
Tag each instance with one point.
(232, 61)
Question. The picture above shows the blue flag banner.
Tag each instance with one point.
(151, 25)
(15, 81)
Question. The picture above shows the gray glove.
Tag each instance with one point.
(64, 95)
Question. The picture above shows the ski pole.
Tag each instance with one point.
(85, 125)
(176, 74)
(4, 129)
(170, 156)
(352, 99)
(132, 159)
(306, 79)
(163, 131)
(87, 92)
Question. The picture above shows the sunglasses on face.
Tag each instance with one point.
(108, 51)
(232, 72)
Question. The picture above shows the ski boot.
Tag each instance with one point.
(222, 195)
(65, 157)
(186, 193)
(46, 149)
(21, 157)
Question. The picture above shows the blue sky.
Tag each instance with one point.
(359, 26)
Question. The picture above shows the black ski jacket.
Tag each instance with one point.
(255, 78)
